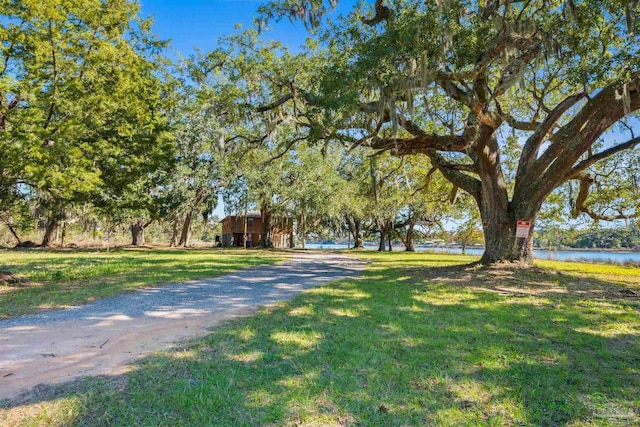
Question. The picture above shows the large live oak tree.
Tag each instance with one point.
(81, 107)
(451, 78)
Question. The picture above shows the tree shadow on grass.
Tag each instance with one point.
(399, 347)
(534, 281)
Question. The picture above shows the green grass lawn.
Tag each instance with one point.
(57, 279)
(420, 339)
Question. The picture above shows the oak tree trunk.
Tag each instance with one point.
(174, 234)
(303, 231)
(52, 225)
(385, 227)
(501, 214)
(501, 243)
(267, 231)
(408, 243)
(383, 237)
(358, 242)
(186, 230)
(185, 235)
(137, 232)
(63, 234)
(355, 227)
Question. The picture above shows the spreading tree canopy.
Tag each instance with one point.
(453, 79)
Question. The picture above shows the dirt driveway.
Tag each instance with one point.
(106, 336)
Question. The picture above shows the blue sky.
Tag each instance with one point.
(199, 23)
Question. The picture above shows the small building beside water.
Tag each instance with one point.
(233, 231)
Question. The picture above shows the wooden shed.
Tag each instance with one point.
(233, 227)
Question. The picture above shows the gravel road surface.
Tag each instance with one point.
(106, 336)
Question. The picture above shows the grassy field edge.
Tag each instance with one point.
(55, 279)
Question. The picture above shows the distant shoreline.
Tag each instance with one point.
(620, 251)
(535, 248)
(565, 249)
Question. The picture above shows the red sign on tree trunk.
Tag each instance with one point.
(523, 229)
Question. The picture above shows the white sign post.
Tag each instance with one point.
(523, 229)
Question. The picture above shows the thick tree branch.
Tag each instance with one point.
(513, 72)
(517, 124)
(535, 141)
(421, 144)
(579, 135)
(601, 217)
(579, 207)
(427, 181)
(286, 149)
(490, 171)
(382, 13)
(589, 161)
(4, 115)
(275, 104)
(454, 92)
(402, 224)
(294, 94)
(14, 103)
(583, 193)
(575, 138)
(468, 183)
(406, 124)
(463, 167)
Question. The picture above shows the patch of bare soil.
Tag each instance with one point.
(518, 280)
(37, 355)
(8, 279)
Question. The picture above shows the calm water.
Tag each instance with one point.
(613, 257)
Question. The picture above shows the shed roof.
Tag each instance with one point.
(249, 215)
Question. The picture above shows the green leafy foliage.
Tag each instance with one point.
(80, 99)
